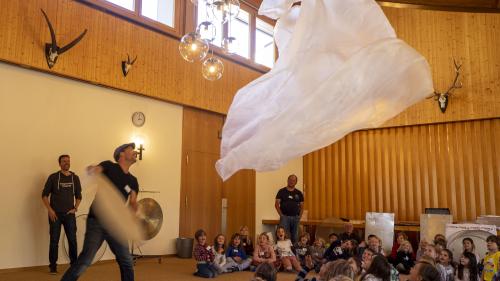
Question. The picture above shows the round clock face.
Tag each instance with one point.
(138, 119)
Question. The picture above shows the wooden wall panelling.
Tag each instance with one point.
(407, 169)
(439, 36)
(159, 72)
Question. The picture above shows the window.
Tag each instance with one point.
(127, 4)
(159, 10)
(239, 28)
(254, 40)
(264, 43)
(160, 15)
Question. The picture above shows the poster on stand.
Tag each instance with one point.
(432, 224)
(382, 225)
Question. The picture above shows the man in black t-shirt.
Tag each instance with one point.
(65, 193)
(290, 204)
(127, 185)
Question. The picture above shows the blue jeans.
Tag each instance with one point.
(291, 225)
(94, 237)
(69, 223)
(206, 270)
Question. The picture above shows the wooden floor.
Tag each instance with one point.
(171, 269)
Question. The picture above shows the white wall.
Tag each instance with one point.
(267, 185)
(43, 116)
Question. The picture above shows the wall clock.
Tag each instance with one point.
(138, 119)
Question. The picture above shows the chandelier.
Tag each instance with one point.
(194, 46)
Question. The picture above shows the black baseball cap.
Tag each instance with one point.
(121, 148)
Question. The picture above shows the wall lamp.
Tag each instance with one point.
(140, 150)
(139, 144)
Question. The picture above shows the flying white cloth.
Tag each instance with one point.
(341, 68)
(110, 207)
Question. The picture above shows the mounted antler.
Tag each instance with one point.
(127, 65)
(52, 50)
(442, 98)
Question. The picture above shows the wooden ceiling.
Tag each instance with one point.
(485, 6)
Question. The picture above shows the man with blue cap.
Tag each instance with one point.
(127, 185)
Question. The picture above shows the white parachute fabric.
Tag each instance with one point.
(341, 68)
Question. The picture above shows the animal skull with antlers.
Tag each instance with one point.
(52, 50)
(127, 65)
(442, 98)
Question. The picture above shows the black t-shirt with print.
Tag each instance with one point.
(290, 201)
(123, 182)
(62, 190)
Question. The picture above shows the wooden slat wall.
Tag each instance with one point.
(161, 73)
(471, 38)
(406, 169)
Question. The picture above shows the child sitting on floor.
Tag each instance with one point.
(404, 257)
(246, 241)
(317, 251)
(284, 249)
(445, 265)
(302, 249)
(204, 256)
(263, 252)
(219, 250)
(491, 262)
(236, 255)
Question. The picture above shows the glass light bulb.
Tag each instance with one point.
(212, 68)
(230, 45)
(192, 47)
(225, 10)
(207, 31)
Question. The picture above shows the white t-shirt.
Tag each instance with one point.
(284, 248)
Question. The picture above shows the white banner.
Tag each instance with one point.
(455, 234)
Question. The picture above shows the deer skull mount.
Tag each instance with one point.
(52, 50)
(127, 65)
(442, 98)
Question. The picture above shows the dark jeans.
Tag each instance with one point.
(69, 223)
(206, 270)
(94, 237)
(291, 225)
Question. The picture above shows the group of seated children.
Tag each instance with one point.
(367, 258)
(469, 266)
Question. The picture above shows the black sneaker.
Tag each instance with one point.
(53, 270)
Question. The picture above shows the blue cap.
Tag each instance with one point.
(121, 148)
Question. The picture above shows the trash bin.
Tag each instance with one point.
(184, 247)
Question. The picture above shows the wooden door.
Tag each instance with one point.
(201, 187)
(202, 198)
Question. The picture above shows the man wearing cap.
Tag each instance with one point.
(65, 196)
(127, 185)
